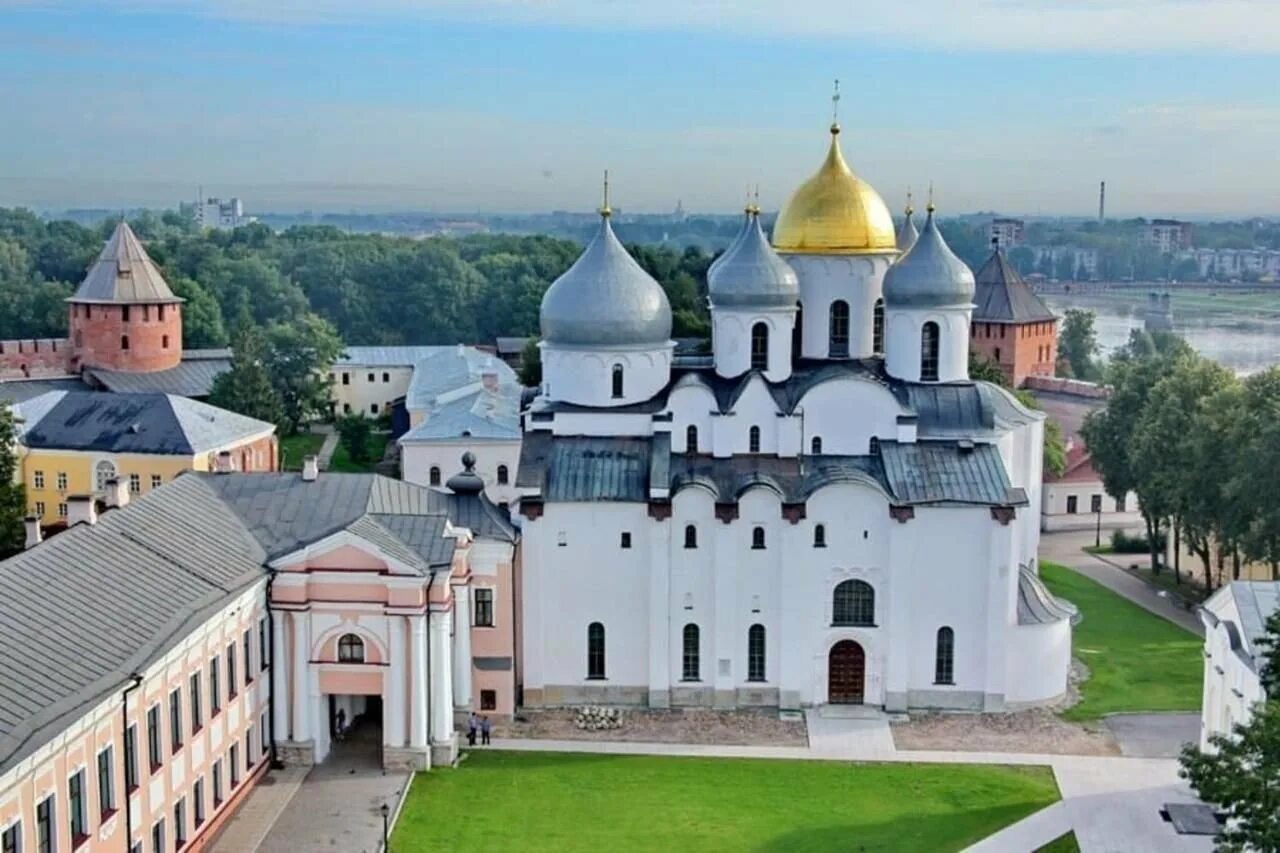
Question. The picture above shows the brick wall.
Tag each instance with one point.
(1021, 351)
(134, 338)
(35, 358)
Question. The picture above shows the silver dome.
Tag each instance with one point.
(929, 274)
(907, 234)
(751, 273)
(742, 229)
(605, 299)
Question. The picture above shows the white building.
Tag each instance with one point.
(1008, 233)
(1234, 619)
(1167, 235)
(804, 521)
(220, 213)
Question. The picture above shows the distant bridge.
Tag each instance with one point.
(1087, 288)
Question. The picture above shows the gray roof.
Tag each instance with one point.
(509, 345)
(448, 389)
(929, 275)
(1255, 601)
(1001, 295)
(751, 273)
(932, 472)
(123, 273)
(192, 378)
(605, 299)
(907, 233)
(598, 469)
(131, 423)
(1038, 606)
(83, 610)
(21, 390)
(379, 356)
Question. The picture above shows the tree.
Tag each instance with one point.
(298, 356)
(13, 495)
(1255, 444)
(1078, 344)
(1269, 651)
(531, 364)
(356, 433)
(1055, 447)
(983, 369)
(246, 388)
(1239, 776)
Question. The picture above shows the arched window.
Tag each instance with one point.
(929, 352)
(838, 343)
(433, 478)
(503, 475)
(760, 346)
(753, 440)
(124, 342)
(690, 536)
(690, 657)
(350, 649)
(819, 536)
(755, 653)
(816, 445)
(877, 327)
(944, 662)
(104, 472)
(757, 538)
(595, 650)
(797, 333)
(853, 603)
(617, 381)
(874, 445)
(691, 440)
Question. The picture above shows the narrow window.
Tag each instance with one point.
(12, 835)
(215, 692)
(124, 313)
(626, 540)
(488, 700)
(753, 440)
(433, 478)
(217, 783)
(373, 408)
(45, 831)
(877, 328)
(106, 783)
(265, 728)
(157, 837)
(164, 342)
(691, 439)
(755, 653)
(617, 381)
(484, 608)
(944, 663)
(37, 480)
(350, 649)
(233, 765)
(595, 650)
(371, 377)
(346, 379)
(197, 801)
(873, 446)
(231, 671)
(838, 343)
(386, 377)
(180, 822)
(76, 811)
(997, 353)
(757, 538)
(690, 536)
(175, 720)
(503, 475)
(131, 757)
(135, 484)
(153, 737)
(1071, 504)
(819, 536)
(155, 481)
(690, 657)
(248, 749)
(816, 445)
(854, 603)
(197, 703)
(760, 347)
(929, 352)
(1120, 505)
(124, 342)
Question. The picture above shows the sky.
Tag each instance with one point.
(1017, 106)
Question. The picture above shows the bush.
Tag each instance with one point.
(355, 432)
(1123, 543)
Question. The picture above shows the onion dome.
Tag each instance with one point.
(605, 299)
(751, 273)
(907, 234)
(835, 212)
(742, 230)
(124, 274)
(466, 481)
(929, 275)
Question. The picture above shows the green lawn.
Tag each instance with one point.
(342, 460)
(567, 802)
(1137, 660)
(294, 447)
(1062, 844)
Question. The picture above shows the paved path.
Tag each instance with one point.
(325, 454)
(1153, 735)
(259, 812)
(1067, 548)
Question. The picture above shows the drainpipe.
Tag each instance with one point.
(135, 681)
(430, 582)
(271, 674)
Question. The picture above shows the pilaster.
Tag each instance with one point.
(660, 561)
(462, 648)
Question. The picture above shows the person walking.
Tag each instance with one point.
(471, 729)
(484, 730)
(341, 724)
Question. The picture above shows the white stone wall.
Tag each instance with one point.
(585, 376)
(419, 457)
(1053, 507)
(731, 331)
(358, 394)
(1231, 687)
(902, 342)
(856, 279)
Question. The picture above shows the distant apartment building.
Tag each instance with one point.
(220, 213)
(1167, 235)
(1235, 263)
(1007, 233)
(1082, 263)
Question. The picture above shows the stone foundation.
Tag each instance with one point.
(559, 695)
(296, 753)
(445, 753)
(405, 758)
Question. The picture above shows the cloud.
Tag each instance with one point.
(1110, 26)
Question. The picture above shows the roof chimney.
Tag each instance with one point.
(32, 523)
(490, 379)
(117, 493)
(224, 464)
(81, 510)
(310, 468)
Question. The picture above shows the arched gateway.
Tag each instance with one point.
(846, 673)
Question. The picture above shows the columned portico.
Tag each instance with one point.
(418, 682)
(444, 742)
(462, 649)
(300, 678)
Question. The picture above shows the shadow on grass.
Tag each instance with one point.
(915, 832)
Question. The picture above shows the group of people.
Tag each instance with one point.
(479, 724)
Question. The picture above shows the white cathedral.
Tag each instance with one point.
(825, 510)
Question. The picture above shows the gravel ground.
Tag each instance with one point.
(1037, 730)
(686, 725)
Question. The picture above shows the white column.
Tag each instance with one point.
(418, 682)
(280, 676)
(660, 561)
(441, 677)
(393, 730)
(462, 648)
(302, 710)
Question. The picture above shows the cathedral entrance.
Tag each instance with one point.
(846, 673)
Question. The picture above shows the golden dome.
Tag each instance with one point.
(835, 213)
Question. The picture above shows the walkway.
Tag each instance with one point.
(249, 826)
(1067, 548)
(325, 454)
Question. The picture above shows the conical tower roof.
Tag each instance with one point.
(1003, 296)
(124, 274)
(930, 275)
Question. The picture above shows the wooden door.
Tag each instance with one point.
(846, 673)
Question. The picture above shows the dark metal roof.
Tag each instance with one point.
(947, 473)
(124, 274)
(1001, 295)
(192, 378)
(21, 390)
(598, 469)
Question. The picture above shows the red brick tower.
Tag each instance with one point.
(1011, 325)
(124, 316)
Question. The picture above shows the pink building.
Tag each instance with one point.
(149, 685)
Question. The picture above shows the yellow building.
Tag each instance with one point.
(76, 442)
